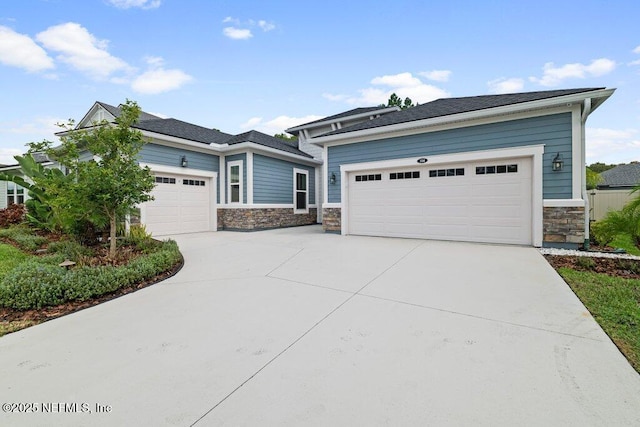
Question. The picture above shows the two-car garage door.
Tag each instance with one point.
(488, 201)
(182, 204)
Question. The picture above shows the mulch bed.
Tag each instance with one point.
(619, 267)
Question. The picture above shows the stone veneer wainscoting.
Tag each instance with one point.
(253, 219)
(331, 220)
(563, 225)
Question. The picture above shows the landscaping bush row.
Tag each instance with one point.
(35, 284)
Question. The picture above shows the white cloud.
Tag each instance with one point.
(636, 50)
(143, 4)
(41, 125)
(504, 85)
(553, 76)
(6, 155)
(237, 33)
(277, 125)
(15, 133)
(80, 49)
(405, 85)
(158, 80)
(612, 145)
(252, 122)
(636, 62)
(397, 80)
(436, 75)
(231, 19)
(19, 50)
(266, 26)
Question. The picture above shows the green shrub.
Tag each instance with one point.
(41, 282)
(603, 232)
(69, 249)
(625, 221)
(141, 239)
(33, 285)
(23, 237)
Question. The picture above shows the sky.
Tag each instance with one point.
(269, 65)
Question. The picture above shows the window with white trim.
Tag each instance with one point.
(234, 181)
(300, 190)
(15, 193)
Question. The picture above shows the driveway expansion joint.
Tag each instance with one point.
(474, 316)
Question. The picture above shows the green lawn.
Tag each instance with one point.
(625, 242)
(615, 304)
(9, 258)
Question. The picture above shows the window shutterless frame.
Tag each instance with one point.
(234, 182)
(300, 191)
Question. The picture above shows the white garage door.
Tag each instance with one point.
(181, 205)
(488, 201)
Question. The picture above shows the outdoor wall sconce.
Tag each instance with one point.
(557, 163)
(332, 179)
(183, 162)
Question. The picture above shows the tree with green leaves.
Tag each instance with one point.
(44, 185)
(104, 190)
(396, 101)
(593, 179)
(286, 137)
(599, 167)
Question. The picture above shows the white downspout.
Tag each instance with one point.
(585, 113)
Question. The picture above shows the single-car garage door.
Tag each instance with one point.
(182, 204)
(488, 201)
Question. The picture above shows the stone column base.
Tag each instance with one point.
(563, 225)
(331, 220)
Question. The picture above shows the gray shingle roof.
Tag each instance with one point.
(448, 106)
(621, 176)
(189, 131)
(180, 129)
(268, 141)
(354, 112)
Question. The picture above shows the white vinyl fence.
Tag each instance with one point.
(603, 201)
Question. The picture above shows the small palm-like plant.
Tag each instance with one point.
(626, 220)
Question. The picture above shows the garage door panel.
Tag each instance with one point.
(470, 207)
(179, 208)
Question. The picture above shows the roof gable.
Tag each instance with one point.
(267, 141)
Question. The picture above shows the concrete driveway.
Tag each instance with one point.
(296, 327)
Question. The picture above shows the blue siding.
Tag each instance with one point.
(170, 156)
(234, 158)
(273, 180)
(553, 131)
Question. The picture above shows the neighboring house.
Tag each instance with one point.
(12, 193)
(614, 190)
(208, 180)
(497, 168)
(621, 177)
